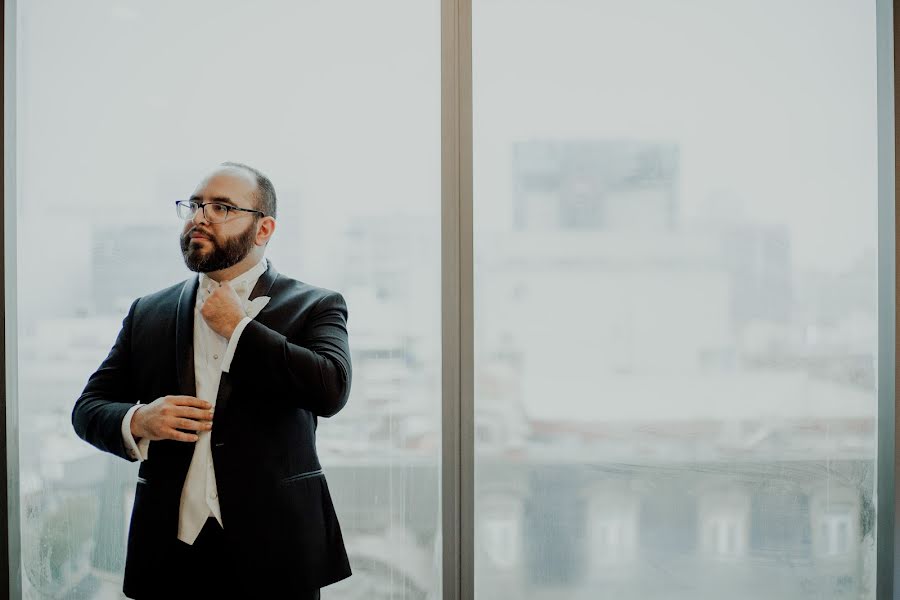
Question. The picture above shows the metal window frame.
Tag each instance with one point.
(9, 419)
(457, 315)
(886, 554)
(457, 312)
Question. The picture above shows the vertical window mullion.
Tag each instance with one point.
(9, 496)
(457, 468)
(886, 516)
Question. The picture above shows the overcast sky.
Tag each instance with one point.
(125, 104)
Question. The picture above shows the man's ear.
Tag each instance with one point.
(266, 224)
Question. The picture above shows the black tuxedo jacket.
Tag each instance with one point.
(291, 365)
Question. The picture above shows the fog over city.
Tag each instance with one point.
(675, 213)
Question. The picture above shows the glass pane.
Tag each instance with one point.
(675, 306)
(124, 106)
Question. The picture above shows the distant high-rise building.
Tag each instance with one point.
(602, 185)
(758, 259)
(131, 261)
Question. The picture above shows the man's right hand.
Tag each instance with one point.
(162, 418)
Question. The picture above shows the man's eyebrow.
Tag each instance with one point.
(222, 199)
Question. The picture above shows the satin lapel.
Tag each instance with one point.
(264, 283)
(184, 338)
(184, 368)
(262, 288)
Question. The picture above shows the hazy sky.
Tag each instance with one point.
(772, 103)
(125, 104)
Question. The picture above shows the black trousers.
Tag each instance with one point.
(203, 570)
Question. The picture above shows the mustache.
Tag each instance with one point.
(201, 232)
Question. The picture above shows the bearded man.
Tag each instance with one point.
(215, 385)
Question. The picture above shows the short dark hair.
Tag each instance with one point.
(265, 191)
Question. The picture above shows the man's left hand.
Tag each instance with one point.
(223, 310)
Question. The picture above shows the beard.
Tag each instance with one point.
(221, 256)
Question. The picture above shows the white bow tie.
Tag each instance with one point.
(212, 284)
(251, 307)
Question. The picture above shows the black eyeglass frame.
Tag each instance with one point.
(202, 206)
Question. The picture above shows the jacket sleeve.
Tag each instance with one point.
(98, 412)
(316, 372)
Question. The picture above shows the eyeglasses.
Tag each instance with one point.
(214, 212)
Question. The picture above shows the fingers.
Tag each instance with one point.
(190, 401)
(183, 412)
(197, 414)
(179, 423)
(174, 426)
(180, 436)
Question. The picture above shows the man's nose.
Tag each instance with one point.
(199, 216)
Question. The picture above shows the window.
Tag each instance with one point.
(724, 525)
(501, 529)
(613, 529)
(121, 113)
(694, 217)
(678, 332)
(837, 526)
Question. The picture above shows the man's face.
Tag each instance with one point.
(208, 247)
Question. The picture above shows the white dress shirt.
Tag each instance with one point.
(212, 357)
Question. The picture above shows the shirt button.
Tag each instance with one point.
(215, 356)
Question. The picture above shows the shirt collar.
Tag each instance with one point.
(242, 284)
